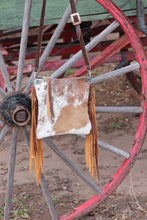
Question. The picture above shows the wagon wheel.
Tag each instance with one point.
(19, 111)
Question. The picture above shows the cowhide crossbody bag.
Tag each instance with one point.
(63, 106)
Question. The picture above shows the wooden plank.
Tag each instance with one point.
(11, 12)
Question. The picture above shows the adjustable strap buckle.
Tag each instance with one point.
(75, 17)
(35, 73)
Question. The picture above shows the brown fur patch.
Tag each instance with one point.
(72, 117)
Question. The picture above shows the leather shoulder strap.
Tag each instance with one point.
(38, 51)
(76, 22)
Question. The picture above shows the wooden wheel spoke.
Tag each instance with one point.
(27, 136)
(123, 109)
(11, 169)
(3, 132)
(115, 73)
(113, 149)
(48, 198)
(72, 166)
(5, 75)
(23, 45)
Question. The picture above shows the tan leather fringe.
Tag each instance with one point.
(36, 150)
(50, 112)
(91, 143)
(48, 98)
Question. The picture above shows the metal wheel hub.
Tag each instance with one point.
(16, 109)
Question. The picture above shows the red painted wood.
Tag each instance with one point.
(2, 85)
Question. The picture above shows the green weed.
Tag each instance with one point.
(116, 124)
(68, 72)
(55, 200)
(20, 209)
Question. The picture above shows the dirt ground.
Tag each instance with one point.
(129, 201)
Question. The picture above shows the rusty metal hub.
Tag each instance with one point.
(16, 109)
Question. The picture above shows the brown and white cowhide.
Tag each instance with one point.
(69, 100)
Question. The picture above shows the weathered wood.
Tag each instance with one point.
(3, 132)
(5, 73)
(27, 137)
(23, 45)
(113, 149)
(11, 12)
(120, 109)
(48, 198)
(72, 166)
(11, 169)
(115, 73)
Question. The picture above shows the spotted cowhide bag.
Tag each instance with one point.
(67, 103)
(63, 106)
